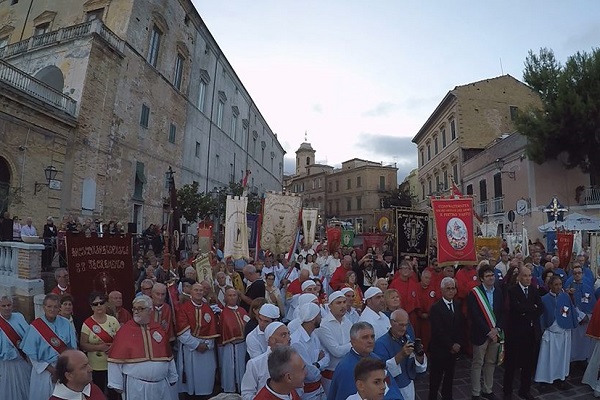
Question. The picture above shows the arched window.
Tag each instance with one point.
(51, 76)
(307, 160)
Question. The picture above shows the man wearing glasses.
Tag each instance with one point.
(140, 362)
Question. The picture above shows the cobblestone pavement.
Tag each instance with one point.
(575, 390)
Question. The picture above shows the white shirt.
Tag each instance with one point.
(256, 344)
(309, 347)
(380, 321)
(256, 375)
(335, 338)
(352, 316)
(63, 392)
(27, 230)
(502, 267)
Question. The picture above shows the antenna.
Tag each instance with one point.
(501, 69)
(305, 136)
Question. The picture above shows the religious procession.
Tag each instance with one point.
(281, 313)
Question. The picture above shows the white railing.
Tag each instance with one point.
(498, 204)
(590, 196)
(64, 34)
(36, 88)
(9, 259)
(482, 208)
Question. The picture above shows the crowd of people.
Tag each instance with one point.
(310, 325)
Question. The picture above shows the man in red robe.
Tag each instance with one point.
(407, 288)
(162, 311)
(232, 347)
(437, 274)
(466, 280)
(115, 299)
(295, 287)
(74, 378)
(286, 370)
(427, 296)
(338, 279)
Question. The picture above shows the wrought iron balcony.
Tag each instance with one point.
(482, 208)
(590, 196)
(498, 205)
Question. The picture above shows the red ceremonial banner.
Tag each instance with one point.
(334, 238)
(100, 264)
(565, 247)
(374, 240)
(454, 229)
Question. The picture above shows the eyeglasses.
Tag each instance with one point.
(98, 303)
(138, 309)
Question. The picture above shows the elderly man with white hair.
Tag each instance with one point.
(14, 368)
(373, 312)
(140, 362)
(307, 343)
(255, 286)
(28, 229)
(257, 372)
(256, 342)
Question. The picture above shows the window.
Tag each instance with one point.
(307, 160)
(320, 183)
(140, 180)
(359, 203)
(455, 173)
(94, 15)
(172, 133)
(483, 190)
(514, 112)
(422, 191)
(359, 225)
(349, 184)
(422, 156)
(41, 29)
(452, 129)
(262, 156)
(337, 206)
(220, 109)
(329, 187)
(437, 183)
(198, 149)
(348, 204)
(428, 151)
(13, 2)
(498, 185)
(329, 208)
(201, 95)
(145, 117)
(446, 179)
(382, 182)
(178, 77)
(358, 181)
(435, 145)
(429, 186)
(155, 38)
(443, 138)
(337, 186)
(233, 127)
(469, 190)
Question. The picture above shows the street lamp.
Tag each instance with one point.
(500, 165)
(50, 173)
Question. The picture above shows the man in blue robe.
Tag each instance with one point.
(362, 338)
(15, 371)
(397, 349)
(46, 338)
(584, 298)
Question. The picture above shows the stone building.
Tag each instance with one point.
(351, 193)
(147, 87)
(465, 122)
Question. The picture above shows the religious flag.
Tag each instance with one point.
(280, 222)
(252, 221)
(309, 224)
(594, 251)
(236, 228)
(454, 228)
(412, 229)
(204, 268)
(454, 190)
(244, 183)
(374, 240)
(565, 247)
(334, 238)
(204, 239)
(347, 239)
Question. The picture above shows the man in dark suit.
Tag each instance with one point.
(485, 306)
(523, 333)
(446, 338)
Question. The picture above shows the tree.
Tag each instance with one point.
(194, 205)
(399, 197)
(568, 124)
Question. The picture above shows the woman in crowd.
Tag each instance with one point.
(392, 301)
(272, 292)
(321, 295)
(66, 311)
(16, 229)
(97, 335)
(255, 306)
(382, 284)
(351, 283)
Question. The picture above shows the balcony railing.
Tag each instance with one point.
(482, 208)
(38, 89)
(64, 34)
(590, 196)
(498, 204)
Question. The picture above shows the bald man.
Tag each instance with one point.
(74, 378)
(115, 299)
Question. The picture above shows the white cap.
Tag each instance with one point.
(308, 312)
(269, 311)
(271, 328)
(307, 284)
(372, 292)
(306, 298)
(346, 290)
(336, 295)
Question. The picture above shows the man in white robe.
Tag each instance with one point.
(256, 343)
(373, 314)
(15, 371)
(257, 371)
(46, 338)
(140, 362)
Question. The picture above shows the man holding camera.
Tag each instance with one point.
(485, 306)
(403, 354)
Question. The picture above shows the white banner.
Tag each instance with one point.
(280, 222)
(594, 254)
(309, 224)
(236, 228)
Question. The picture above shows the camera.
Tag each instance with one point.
(419, 350)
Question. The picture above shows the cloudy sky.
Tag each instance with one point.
(361, 77)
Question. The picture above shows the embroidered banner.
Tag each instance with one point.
(203, 268)
(334, 238)
(347, 238)
(384, 220)
(236, 228)
(309, 224)
(374, 240)
(99, 264)
(594, 251)
(412, 229)
(204, 239)
(280, 220)
(489, 247)
(565, 247)
(252, 222)
(454, 227)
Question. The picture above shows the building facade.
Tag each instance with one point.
(151, 89)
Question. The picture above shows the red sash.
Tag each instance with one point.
(12, 335)
(49, 336)
(98, 330)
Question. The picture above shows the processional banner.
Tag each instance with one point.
(204, 268)
(412, 229)
(100, 264)
(565, 247)
(454, 227)
(309, 224)
(594, 251)
(280, 222)
(252, 221)
(489, 245)
(236, 228)
(334, 238)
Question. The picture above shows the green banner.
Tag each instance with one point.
(347, 238)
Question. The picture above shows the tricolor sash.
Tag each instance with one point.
(11, 334)
(49, 336)
(490, 318)
(98, 330)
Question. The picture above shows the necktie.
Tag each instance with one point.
(451, 307)
(526, 292)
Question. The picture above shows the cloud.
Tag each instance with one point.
(381, 110)
(317, 108)
(289, 165)
(387, 145)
